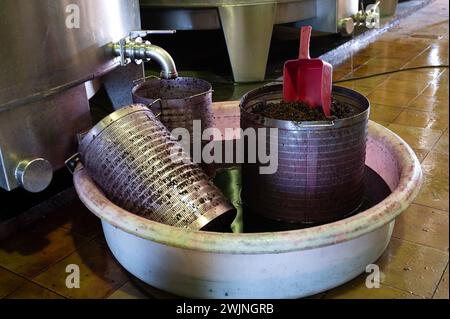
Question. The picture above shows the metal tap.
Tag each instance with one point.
(133, 48)
(368, 17)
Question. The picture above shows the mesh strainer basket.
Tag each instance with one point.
(182, 100)
(129, 154)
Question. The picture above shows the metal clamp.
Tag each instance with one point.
(133, 48)
(72, 162)
(143, 33)
(146, 77)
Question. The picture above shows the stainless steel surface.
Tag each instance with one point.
(248, 30)
(183, 100)
(130, 154)
(247, 25)
(321, 169)
(388, 8)
(44, 63)
(330, 13)
(34, 175)
(119, 83)
(346, 26)
(40, 55)
(43, 129)
(136, 49)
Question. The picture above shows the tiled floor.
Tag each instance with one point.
(414, 104)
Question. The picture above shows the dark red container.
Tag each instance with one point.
(321, 165)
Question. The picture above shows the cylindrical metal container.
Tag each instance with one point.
(182, 101)
(49, 50)
(67, 40)
(131, 156)
(320, 164)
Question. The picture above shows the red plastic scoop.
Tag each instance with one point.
(308, 80)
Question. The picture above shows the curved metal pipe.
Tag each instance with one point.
(147, 51)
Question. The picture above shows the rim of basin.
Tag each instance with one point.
(405, 187)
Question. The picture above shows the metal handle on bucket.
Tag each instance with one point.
(199, 94)
(147, 77)
(317, 124)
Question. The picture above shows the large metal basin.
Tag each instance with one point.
(286, 264)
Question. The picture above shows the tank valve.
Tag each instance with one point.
(346, 26)
(34, 175)
(133, 48)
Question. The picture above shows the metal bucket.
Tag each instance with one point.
(320, 164)
(129, 154)
(182, 101)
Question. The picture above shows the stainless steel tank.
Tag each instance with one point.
(50, 48)
(247, 24)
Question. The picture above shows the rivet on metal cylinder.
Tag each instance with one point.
(34, 175)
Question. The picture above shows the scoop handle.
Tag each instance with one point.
(305, 35)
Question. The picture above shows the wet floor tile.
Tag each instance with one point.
(431, 56)
(442, 290)
(386, 62)
(436, 164)
(367, 70)
(423, 225)
(33, 250)
(413, 268)
(357, 289)
(438, 90)
(372, 82)
(77, 218)
(442, 145)
(416, 76)
(355, 61)
(128, 291)
(421, 154)
(380, 96)
(338, 75)
(396, 86)
(385, 124)
(422, 119)
(430, 104)
(434, 192)
(354, 86)
(9, 282)
(418, 138)
(32, 291)
(152, 291)
(100, 273)
(136, 289)
(443, 78)
(384, 113)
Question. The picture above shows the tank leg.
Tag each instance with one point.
(248, 31)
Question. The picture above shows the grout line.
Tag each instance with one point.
(52, 264)
(440, 279)
(441, 211)
(416, 244)
(406, 291)
(118, 288)
(27, 280)
(61, 259)
(419, 244)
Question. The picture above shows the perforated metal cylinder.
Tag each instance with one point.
(130, 155)
(182, 101)
(320, 164)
